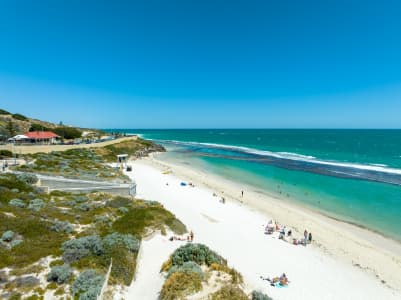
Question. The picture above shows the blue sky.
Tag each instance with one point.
(203, 64)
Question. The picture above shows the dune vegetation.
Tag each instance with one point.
(62, 244)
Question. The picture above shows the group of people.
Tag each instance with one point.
(4, 166)
(285, 234)
(188, 238)
(278, 280)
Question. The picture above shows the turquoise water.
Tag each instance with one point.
(354, 175)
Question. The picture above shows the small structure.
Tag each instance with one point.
(122, 160)
(42, 137)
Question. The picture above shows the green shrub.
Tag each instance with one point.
(187, 267)
(15, 243)
(7, 236)
(17, 203)
(20, 117)
(36, 204)
(123, 210)
(88, 285)
(179, 285)
(137, 220)
(27, 178)
(62, 226)
(121, 240)
(6, 153)
(119, 201)
(68, 132)
(4, 112)
(60, 274)
(38, 127)
(256, 295)
(198, 253)
(76, 249)
(231, 292)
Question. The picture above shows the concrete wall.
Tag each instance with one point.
(51, 183)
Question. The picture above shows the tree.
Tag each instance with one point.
(68, 132)
(4, 112)
(20, 117)
(10, 128)
(38, 127)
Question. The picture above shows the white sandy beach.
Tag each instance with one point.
(236, 231)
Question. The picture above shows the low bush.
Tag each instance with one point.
(20, 117)
(60, 274)
(6, 153)
(231, 292)
(36, 204)
(256, 295)
(179, 285)
(68, 132)
(62, 226)
(187, 267)
(139, 219)
(236, 277)
(7, 236)
(119, 201)
(76, 249)
(27, 178)
(4, 112)
(198, 253)
(121, 240)
(123, 210)
(17, 203)
(88, 285)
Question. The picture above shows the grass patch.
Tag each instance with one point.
(135, 148)
(138, 219)
(231, 292)
(181, 284)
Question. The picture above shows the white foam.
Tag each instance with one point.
(292, 156)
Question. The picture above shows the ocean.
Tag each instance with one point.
(351, 175)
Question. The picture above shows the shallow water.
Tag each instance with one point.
(354, 175)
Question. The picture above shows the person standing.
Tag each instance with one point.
(242, 194)
(310, 237)
(305, 236)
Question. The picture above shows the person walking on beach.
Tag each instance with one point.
(242, 194)
(305, 236)
(310, 237)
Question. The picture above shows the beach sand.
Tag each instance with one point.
(344, 261)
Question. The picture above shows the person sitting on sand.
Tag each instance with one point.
(283, 280)
(289, 232)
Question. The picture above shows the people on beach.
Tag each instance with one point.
(305, 237)
(242, 193)
(282, 280)
(310, 238)
(191, 235)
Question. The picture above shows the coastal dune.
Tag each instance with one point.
(330, 268)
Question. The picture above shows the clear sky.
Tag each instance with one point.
(203, 64)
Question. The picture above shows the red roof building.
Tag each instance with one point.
(45, 137)
(40, 135)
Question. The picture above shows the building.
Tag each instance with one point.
(41, 137)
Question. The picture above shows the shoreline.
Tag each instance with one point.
(371, 252)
